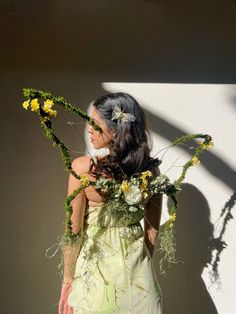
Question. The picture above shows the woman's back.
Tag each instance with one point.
(114, 271)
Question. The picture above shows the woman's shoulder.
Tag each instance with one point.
(82, 164)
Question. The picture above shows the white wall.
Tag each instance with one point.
(198, 108)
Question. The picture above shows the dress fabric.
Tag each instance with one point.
(114, 271)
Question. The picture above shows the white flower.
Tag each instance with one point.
(133, 195)
(141, 206)
(133, 209)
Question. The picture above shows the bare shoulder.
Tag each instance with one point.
(81, 164)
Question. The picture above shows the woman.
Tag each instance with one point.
(111, 270)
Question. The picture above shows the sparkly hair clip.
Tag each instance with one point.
(120, 116)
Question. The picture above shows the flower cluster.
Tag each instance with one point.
(35, 106)
(47, 107)
(194, 161)
(84, 181)
(133, 194)
(205, 145)
(144, 182)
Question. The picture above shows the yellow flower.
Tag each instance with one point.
(209, 145)
(195, 161)
(47, 108)
(124, 186)
(84, 181)
(34, 104)
(145, 195)
(143, 185)
(145, 174)
(206, 146)
(52, 112)
(48, 103)
(172, 217)
(26, 104)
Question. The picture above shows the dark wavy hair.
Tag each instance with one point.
(130, 147)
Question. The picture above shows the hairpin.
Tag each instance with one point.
(120, 116)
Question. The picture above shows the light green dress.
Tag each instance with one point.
(114, 271)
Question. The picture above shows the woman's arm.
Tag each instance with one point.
(70, 252)
(152, 220)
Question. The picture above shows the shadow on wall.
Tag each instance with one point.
(218, 243)
(215, 165)
(183, 289)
